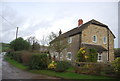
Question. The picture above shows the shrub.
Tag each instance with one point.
(92, 55)
(52, 65)
(80, 55)
(26, 57)
(17, 56)
(38, 61)
(62, 66)
(87, 55)
(108, 69)
(116, 65)
(89, 68)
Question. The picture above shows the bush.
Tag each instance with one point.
(17, 56)
(26, 57)
(89, 68)
(108, 69)
(52, 65)
(116, 65)
(87, 55)
(38, 61)
(62, 66)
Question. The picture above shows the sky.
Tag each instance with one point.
(39, 19)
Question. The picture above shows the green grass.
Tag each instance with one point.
(66, 75)
(71, 69)
(16, 64)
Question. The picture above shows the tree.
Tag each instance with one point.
(19, 44)
(57, 44)
(117, 52)
(34, 43)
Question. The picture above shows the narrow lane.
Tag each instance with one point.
(10, 72)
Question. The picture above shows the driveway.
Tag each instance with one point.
(10, 72)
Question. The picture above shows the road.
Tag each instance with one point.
(10, 72)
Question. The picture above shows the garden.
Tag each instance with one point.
(85, 67)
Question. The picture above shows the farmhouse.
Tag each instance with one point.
(92, 34)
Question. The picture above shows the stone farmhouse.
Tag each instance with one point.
(92, 34)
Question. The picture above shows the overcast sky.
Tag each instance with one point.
(40, 18)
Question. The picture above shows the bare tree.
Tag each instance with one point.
(57, 43)
(34, 43)
(43, 47)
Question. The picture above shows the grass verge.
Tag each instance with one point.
(15, 63)
(65, 75)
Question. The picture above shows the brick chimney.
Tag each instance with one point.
(80, 21)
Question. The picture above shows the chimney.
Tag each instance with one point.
(60, 32)
(80, 21)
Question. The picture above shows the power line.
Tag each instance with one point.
(8, 21)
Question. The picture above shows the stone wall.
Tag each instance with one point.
(100, 32)
(111, 47)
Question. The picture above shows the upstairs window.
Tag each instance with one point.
(105, 40)
(94, 38)
(70, 40)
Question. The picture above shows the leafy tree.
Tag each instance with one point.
(117, 52)
(19, 44)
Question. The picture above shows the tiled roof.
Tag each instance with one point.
(79, 29)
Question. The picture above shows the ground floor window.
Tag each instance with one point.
(99, 57)
(69, 55)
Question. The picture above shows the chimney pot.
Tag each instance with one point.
(80, 21)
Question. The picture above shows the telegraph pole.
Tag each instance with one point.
(16, 32)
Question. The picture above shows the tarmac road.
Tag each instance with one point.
(11, 72)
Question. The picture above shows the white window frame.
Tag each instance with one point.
(67, 55)
(56, 54)
(93, 38)
(70, 40)
(99, 55)
(104, 41)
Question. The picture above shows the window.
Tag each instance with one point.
(105, 40)
(99, 57)
(70, 40)
(60, 55)
(69, 55)
(56, 54)
(94, 38)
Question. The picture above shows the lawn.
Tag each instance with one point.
(66, 75)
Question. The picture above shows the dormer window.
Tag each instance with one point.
(105, 40)
(94, 38)
(70, 40)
